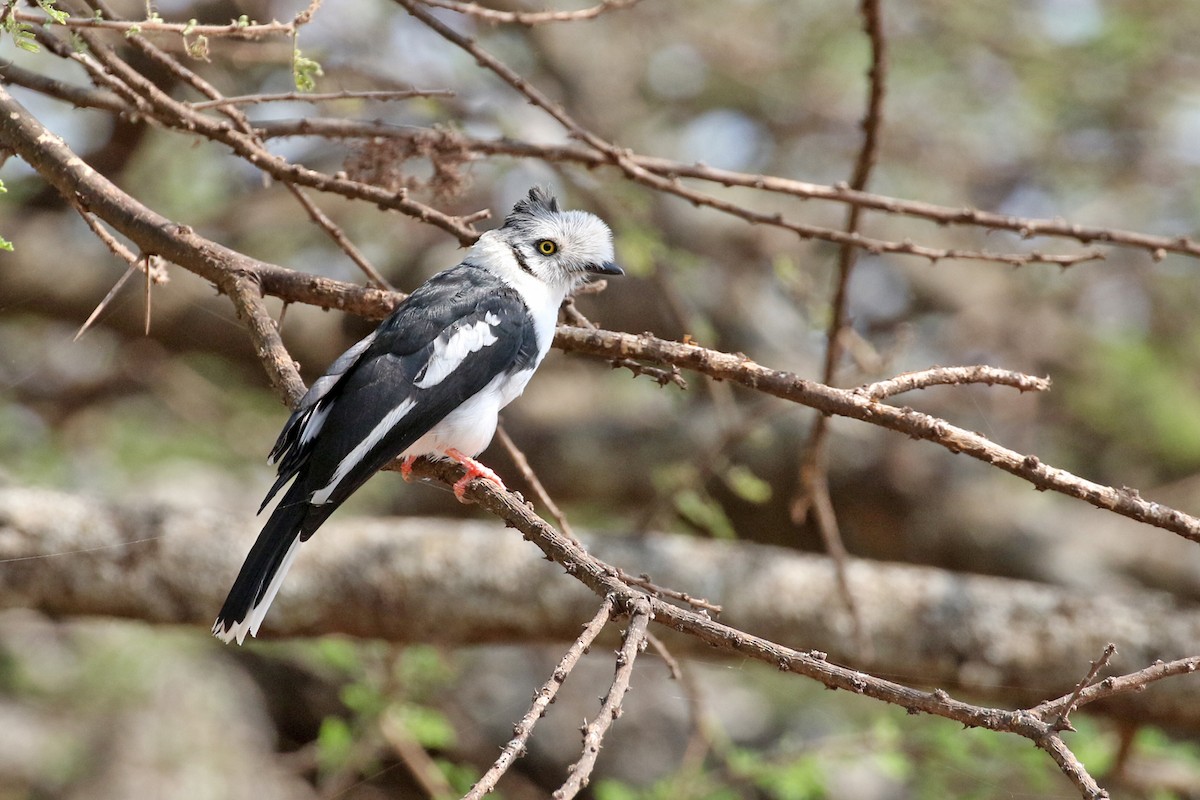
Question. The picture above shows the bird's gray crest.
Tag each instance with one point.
(539, 203)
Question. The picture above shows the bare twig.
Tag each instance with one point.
(246, 294)
(812, 487)
(1108, 687)
(149, 291)
(1026, 227)
(334, 231)
(530, 18)
(844, 402)
(79, 96)
(420, 764)
(1063, 723)
(645, 582)
(541, 701)
(153, 233)
(872, 124)
(673, 668)
(953, 376)
(175, 114)
(320, 97)
(593, 732)
(319, 217)
(603, 579)
(233, 30)
(573, 316)
(621, 159)
(522, 464)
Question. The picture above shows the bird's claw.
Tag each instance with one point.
(473, 470)
(406, 466)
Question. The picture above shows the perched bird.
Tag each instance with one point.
(429, 381)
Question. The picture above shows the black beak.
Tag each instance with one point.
(606, 268)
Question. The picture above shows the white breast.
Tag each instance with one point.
(470, 427)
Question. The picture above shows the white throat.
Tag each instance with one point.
(543, 299)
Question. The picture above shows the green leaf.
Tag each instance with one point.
(460, 776)
(704, 512)
(746, 485)
(363, 699)
(198, 48)
(305, 71)
(339, 653)
(422, 669)
(428, 726)
(53, 13)
(22, 33)
(609, 789)
(335, 743)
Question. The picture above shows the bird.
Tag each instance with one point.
(429, 381)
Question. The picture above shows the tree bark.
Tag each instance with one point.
(468, 582)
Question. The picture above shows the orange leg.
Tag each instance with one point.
(406, 468)
(474, 470)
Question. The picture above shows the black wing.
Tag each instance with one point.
(391, 388)
(441, 346)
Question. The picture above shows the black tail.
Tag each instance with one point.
(267, 563)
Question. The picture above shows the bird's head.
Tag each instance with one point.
(561, 248)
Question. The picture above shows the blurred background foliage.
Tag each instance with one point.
(1080, 109)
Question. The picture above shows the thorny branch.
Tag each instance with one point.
(535, 483)
(1107, 687)
(153, 233)
(603, 579)
(531, 18)
(319, 97)
(633, 643)
(1026, 227)
(233, 30)
(113, 73)
(1063, 723)
(953, 376)
(541, 701)
(845, 402)
(620, 158)
(812, 489)
(319, 217)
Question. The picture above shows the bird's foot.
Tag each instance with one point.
(474, 470)
(406, 468)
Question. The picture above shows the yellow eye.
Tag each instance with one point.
(547, 247)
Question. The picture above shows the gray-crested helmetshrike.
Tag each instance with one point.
(429, 381)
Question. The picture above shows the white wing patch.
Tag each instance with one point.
(313, 422)
(310, 425)
(355, 456)
(450, 351)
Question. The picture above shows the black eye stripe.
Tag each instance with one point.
(521, 262)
